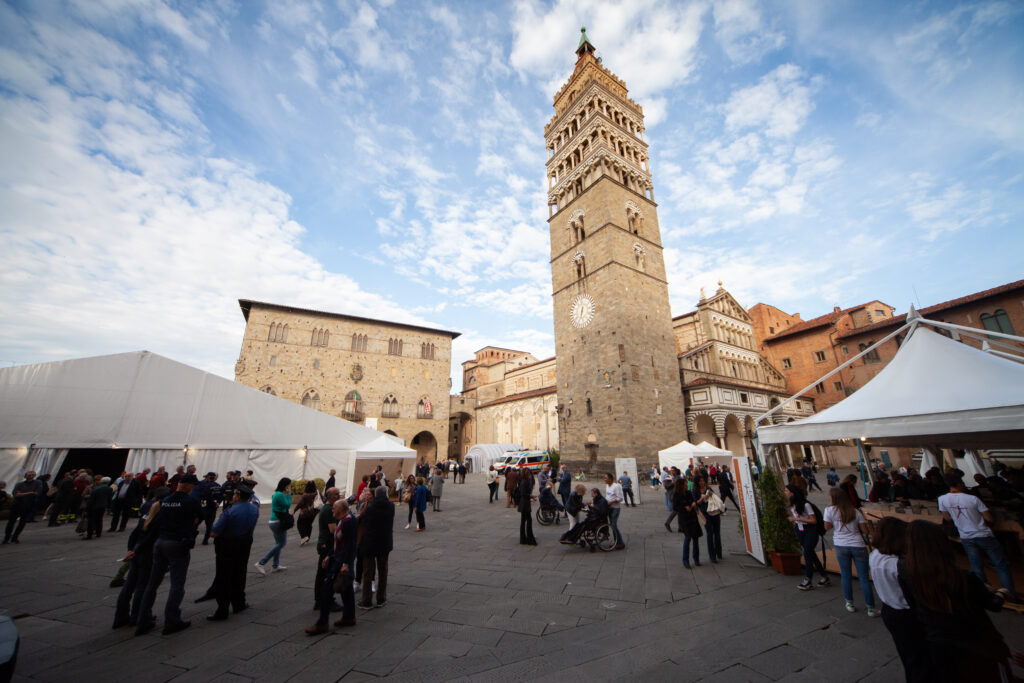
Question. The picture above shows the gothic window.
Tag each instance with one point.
(390, 407)
(269, 390)
(427, 351)
(579, 265)
(590, 407)
(311, 399)
(353, 409)
(424, 409)
(394, 347)
(319, 337)
(359, 342)
(639, 255)
(278, 332)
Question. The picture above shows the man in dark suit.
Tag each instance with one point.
(377, 520)
(232, 541)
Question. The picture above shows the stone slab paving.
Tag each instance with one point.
(465, 602)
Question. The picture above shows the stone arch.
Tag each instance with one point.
(311, 399)
(634, 217)
(733, 431)
(639, 256)
(704, 428)
(425, 445)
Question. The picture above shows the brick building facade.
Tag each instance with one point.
(359, 369)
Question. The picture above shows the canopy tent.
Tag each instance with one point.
(684, 453)
(170, 414)
(386, 451)
(936, 392)
(480, 456)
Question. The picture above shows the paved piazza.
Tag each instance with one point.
(465, 602)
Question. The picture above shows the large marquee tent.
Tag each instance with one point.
(936, 392)
(167, 413)
(684, 454)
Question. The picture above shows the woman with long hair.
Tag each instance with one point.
(408, 495)
(848, 541)
(805, 524)
(419, 503)
(279, 504)
(889, 539)
(950, 603)
(849, 485)
(712, 521)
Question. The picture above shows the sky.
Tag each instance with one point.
(161, 160)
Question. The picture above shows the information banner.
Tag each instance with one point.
(748, 507)
(628, 465)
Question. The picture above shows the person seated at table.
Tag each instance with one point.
(915, 486)
(934, 486)
(1004, 495)
(881, 491)
(898, 492)
(982, 490)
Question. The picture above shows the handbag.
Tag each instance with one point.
(715, 504)
(407, 496)
(286, 519)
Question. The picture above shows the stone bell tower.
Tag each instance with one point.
(618, 376)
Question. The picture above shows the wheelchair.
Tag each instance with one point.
(546, 516)
(599, 536)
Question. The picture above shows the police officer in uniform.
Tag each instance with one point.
(208, 493)
(178, 524)
(232, 541)
(227, 489)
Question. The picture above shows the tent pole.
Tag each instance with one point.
(863, 475)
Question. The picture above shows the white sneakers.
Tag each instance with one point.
(850, 608)
(407, 526)
(278, 568)
(872, 612)
(260, 568)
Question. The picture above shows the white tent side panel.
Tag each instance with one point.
(268, 467)
(12, 466)
(319, 463)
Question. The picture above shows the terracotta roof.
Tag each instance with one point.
(813, 323)
(530, 365)
(945, 305)
(543, 391)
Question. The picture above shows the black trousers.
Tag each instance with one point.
(421, 522)
(60, 507)
(375, 567)
(731, 496)
(232, 564)
(117, 510)
(526, 527)
(809, 542)
(209, 515)
(95, 523)
(129, 600)
(321, 552)
(173, 556)
(908, 636)
(493, 486)
(16, 523)
(627, 497)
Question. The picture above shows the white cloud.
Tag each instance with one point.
(948, 209)
(780, 103)
(740, 29)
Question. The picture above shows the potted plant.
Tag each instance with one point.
(776, 530)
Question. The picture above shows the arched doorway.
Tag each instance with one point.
(733, 435)
(704, 430)
(425, 446)
(388, 431)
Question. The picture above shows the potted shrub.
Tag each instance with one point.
(776, 530)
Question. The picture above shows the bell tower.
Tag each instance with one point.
(618, 376)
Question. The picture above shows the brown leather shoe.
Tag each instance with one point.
(341, 623)
(316, 629)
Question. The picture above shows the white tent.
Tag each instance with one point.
(480, 456)
(684, 453)
(169, 414)
(935, 392)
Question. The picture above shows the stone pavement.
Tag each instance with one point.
(465, 602)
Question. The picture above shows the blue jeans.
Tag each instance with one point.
(280, 539)
(974, 547)
(668, 500)
(613, 519)
(847, 556)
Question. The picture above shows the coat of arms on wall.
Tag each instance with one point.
(357, 372)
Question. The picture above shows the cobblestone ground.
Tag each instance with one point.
(465, 602)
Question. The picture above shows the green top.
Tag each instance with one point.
(279, 504)
(324, 519)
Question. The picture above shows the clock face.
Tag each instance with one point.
(581, 311)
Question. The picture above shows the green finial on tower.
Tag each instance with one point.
(585, 44)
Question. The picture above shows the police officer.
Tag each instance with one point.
(178, 524)
(227, 489)
(140, 555)
(232, 540)
(208, 493)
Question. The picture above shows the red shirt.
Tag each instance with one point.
(158, 480)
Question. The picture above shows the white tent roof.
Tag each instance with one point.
(143, 400)
(935, 391)
(683, 454)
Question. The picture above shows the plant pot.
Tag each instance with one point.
(787, 564)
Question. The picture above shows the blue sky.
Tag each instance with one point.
(163, 159)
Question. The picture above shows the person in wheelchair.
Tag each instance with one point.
(597, 513)
(575, 505)
(548, 501)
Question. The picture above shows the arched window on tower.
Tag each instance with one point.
(590, 407)
(579, 265)
(640, 256)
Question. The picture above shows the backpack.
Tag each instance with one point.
(819, 520)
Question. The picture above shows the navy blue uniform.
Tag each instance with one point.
(141, 541)
(232, 543)
(177, 524)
